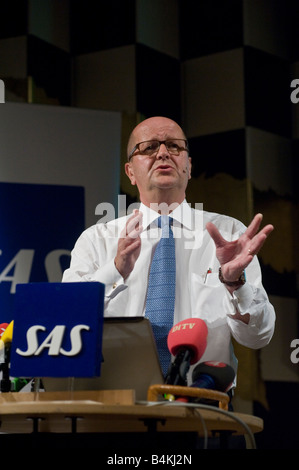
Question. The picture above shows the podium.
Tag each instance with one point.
(111, 417)
(110, 413)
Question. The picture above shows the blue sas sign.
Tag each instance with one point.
(57, 330)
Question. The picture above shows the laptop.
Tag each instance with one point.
(130, 360)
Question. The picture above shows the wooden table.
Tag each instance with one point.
(113, 412)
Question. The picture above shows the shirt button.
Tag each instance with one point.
(114, 285)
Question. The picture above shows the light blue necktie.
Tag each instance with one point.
(161, 290)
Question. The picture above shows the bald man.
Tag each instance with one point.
(218, 277)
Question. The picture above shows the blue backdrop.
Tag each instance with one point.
(39, 225)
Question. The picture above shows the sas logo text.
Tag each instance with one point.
(53, 342)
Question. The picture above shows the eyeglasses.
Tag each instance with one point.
(151, 147)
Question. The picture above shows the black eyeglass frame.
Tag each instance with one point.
(160, 142)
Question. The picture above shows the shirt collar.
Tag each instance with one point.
(181, 214)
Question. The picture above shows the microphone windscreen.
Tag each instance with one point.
(190, 334)
(222, 374)
(3, 327)
(7, 334)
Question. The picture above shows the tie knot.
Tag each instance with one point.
(164, 221)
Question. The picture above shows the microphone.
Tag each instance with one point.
(187, 341)
(7, 333)
(213, 375)
(3, 327)
(6, 339)
(210, 375)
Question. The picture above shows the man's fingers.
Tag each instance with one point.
(254, 226)
(133, 226)
(134, 220)
(258, 241)
(131, 247)
(267, 229)
(215, 235)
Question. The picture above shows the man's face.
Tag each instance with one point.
(162, 170)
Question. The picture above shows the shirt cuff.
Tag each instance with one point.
(243, 297)
(113, 280)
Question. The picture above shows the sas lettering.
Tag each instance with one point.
(53, 341)
(18, 270)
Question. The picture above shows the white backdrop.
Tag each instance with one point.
(59, 145)
(56, 166)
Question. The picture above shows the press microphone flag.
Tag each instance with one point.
(187, 341)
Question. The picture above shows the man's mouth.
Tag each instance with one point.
(164, 167)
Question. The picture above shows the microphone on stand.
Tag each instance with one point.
(3, 327)
(6, 339)
(6, 383)
(186, 341)
(213, 375)
(210, 375)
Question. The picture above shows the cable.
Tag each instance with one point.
(205, 430)
(212, 408)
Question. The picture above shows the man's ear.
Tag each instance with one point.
(190, 167)
(130, 173)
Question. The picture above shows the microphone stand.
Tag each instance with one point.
(5, 385)
(177, 371)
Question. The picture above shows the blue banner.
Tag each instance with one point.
(39, 227)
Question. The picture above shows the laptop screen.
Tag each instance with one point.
(129, 360)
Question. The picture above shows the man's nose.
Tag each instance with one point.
(163, 151)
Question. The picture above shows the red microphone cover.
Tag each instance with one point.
(3, 327)
(188, 334)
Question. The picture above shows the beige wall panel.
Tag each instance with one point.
(157, 25)
(267, 26)
(269, 161)
(213, 96)
(49, 20)
(106, 80)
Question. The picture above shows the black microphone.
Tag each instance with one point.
(187, 341)
(213, 375)
(6, 339)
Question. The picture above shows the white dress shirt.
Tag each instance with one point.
(199, 293)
